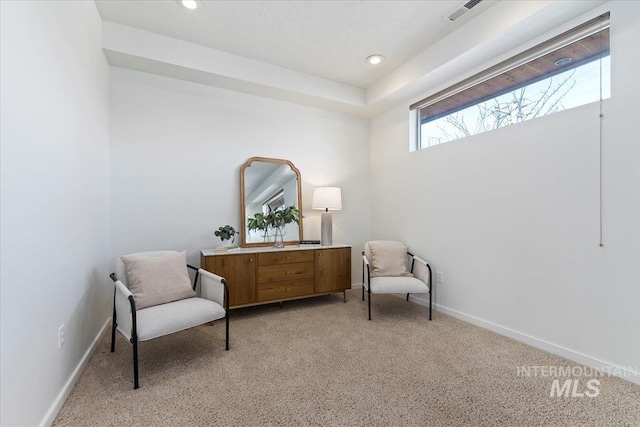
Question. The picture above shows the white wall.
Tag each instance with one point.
(511, 217)
(176, 152)
(54, 173)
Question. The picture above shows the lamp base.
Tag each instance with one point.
(326, 230)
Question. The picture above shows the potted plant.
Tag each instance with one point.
(258, 223)
(274, 221)
(225, 234)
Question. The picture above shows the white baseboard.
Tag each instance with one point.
(622, 372)
(57, 404)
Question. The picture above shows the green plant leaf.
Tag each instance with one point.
(227, 232)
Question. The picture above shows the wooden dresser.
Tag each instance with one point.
(264, 275)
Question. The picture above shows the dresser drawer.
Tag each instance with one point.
(285, 257)
(283, 290)
(280, 272)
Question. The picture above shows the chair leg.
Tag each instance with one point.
(135, 363)
(113, 324)
(429, 303)
(407, 297)
(369, 292)
(134, 341)
(227, 331)
(113, 335)
(363, 292)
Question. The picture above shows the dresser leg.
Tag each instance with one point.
(280, 304)
(344, 295)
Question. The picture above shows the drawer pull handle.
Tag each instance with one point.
(287, 257)
(287, 272)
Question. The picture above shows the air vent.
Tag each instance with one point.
(462, 10)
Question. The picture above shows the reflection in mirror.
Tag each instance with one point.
(268, 184)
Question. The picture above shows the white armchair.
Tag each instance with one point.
(388, 267)
(154, 321)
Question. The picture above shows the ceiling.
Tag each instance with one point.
(329, 39)
(313, 52)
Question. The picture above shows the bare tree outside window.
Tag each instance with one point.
(578, 86)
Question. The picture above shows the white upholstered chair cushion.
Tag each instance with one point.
(155, 280)
(166, 319)
(121, 271)
(387, 258)
(398, 285)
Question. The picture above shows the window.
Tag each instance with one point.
(567, 71)
(274, 202)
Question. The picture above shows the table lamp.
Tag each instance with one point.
(327, 199)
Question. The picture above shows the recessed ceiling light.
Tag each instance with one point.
(375, 59)
(562, 61)
(190, 4)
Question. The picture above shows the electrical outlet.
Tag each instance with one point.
(439, 277)
(61, 337)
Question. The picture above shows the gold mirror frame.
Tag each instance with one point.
(243, 195)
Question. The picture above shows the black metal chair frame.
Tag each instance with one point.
(413, 261)
(134, 329)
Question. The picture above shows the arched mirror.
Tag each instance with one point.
(269, 185)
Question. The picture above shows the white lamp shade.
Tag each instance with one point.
(327, 198)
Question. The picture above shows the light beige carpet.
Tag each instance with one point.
(320, 362)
